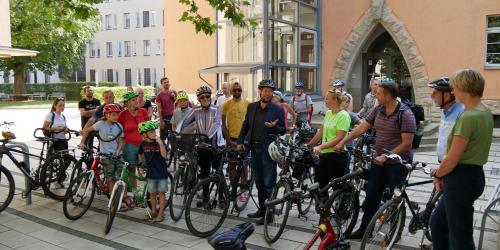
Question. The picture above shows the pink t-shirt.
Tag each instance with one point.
(282, 105)
(131, 124)
(167, 102)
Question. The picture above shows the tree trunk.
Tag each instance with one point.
(19, 81)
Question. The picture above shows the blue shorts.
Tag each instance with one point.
(130, 154)
(160, 185)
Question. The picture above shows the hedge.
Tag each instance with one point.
(72, 90)
(119, 92)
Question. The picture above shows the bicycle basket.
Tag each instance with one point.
(187, 142)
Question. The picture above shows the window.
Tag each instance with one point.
(284, 77)
(128, 77)
(116, 75)
(109, 49)
(282, 43)
(242, 45)
(493, 41)
(134, 48)
(109, 21)
(101, 23)
(307, 16)
(126, 20)
(137, 20)
(158, 47)
(152, 21)
(139, 79)
(145, 18)
(98, 49)
(128, 48)
(109, 75)
(308, 77)
(283, 9)
(92, 75)
(115, 22)
(146, 47)
(154, 77)
(147, 77)
(119, 48)
(92, 52)
(307, 41)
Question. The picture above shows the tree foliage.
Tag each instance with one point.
(58, 29)
(230, 8)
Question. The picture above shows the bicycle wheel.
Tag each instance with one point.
(79, 196)
(167, 202)
(243, 187)
(7, 187)
(385, 227)
(433, 203)
(81, 165)
(304, 205)
(178, 194)
(274, 226)
(205, 214)
(55, 175)
(345, 209)
(114, 207)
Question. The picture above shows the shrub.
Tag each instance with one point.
(119, 92)
(72, 90)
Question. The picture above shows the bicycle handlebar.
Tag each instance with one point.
(45, 138)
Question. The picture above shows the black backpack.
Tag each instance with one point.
(47, 133)
(419, 113)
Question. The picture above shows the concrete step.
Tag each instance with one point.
(426, 148)
(431, 129)
(432, 139)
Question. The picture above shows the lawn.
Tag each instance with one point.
(33, 104)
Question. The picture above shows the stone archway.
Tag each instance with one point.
(381, 14)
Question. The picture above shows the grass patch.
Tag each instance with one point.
(33, 104)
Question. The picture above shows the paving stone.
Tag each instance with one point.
(139, 241)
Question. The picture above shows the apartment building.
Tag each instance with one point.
(129, 47)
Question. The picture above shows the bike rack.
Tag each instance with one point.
(492, 208)
(24, 147)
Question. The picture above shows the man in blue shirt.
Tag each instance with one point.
(443, 97)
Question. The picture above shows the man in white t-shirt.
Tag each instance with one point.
(226, 95)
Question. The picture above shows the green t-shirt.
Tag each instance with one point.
(477, 127)
(333, 123)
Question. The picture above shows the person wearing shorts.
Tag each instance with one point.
(153, 155)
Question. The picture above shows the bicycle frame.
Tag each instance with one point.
(34, 183)
(124, 181)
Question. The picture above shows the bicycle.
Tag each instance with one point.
(53, 170)
(323, 204)
(212, 209)
(386, 226)
(299, 179)
(140, 195)
(185, 157)
(242, 183)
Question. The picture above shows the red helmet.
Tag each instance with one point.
(111, 108)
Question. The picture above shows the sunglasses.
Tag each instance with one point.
(237, 90)
(204, 97)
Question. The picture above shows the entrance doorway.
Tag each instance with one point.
(384, 59)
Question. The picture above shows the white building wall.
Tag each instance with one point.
(113, 30)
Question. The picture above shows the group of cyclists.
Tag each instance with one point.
(465, 136)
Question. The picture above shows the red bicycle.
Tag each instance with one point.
(324, 207)
(81, 190)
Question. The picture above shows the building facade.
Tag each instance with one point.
(317, 41)
(129, 48)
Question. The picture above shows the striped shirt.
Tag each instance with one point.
(388, 130)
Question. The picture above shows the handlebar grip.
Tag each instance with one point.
(353, 175)
(279, 200)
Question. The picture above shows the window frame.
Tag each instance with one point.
(495, 30)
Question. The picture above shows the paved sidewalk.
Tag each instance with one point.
(42, 224)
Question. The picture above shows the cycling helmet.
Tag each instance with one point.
(109, 108)
(338, 83)
(147, 126)
(129, 95)
(277, 93)
(442, 84)
(203, 90)
(387, 81)
(267, 84)
(277, 152)
(299, 85)
(182, 95)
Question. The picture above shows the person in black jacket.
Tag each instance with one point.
(262, 120)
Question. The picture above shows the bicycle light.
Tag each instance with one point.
(397, 192)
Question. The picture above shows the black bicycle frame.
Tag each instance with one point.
(7, 151)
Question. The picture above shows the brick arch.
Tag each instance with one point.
(381, 14)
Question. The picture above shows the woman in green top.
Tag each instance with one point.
(460, 176)
(335, 126)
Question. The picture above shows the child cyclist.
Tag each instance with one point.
(111, 133)
(153, 154)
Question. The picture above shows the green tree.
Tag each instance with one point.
(58, 29)
(230, 8)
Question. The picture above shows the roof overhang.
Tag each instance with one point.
(231, 68)
(6, 52)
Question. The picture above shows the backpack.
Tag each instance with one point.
(47, 133)
(312, 108)
(419, 113)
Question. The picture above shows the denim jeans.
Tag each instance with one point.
(452, 220)
(380, 176)
(264, 174)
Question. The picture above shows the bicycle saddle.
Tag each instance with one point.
(233, 239)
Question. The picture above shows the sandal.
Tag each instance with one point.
(123, 208)
(129, 202)
(159, 218)
(150, 215)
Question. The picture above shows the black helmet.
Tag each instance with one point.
(442, 84)
(267, 84)
(203, 90)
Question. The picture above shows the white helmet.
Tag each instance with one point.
(277, 152)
